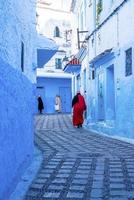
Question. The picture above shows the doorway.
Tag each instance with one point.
(101, 105)
(110, 96)
(65, 94)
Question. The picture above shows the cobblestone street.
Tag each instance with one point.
(80, 165)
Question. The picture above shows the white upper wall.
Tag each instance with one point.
(44, 15)
(116, 32)
(48, 20)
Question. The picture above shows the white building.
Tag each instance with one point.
(55, 23)
(107, 63)
(59, 31)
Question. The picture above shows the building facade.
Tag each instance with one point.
(51, 80)
(108, 64)
(17, 98)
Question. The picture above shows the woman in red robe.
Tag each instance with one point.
(79, 105)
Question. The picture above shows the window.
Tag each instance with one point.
(58, 63)
(56, 32)
(128, 67)
(22, 56)
(39, 87)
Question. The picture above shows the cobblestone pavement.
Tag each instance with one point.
(80, 165)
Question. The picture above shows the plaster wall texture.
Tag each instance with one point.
(116, 32)
(17, 98)
(18, 25)
(16, 126)
(124, 87)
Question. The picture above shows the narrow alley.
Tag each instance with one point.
(67, 64)
(80, 165)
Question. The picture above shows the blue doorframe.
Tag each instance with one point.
(110, 93)
(85, 78)
(101, 103)
(78, 82)
(102, 85)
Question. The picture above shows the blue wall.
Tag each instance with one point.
(17, 90)
(50, 87)
(118, 95)
(16, 126)
(19, 25)
(124, 95)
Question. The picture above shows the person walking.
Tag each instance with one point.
(58, 104)
(79, 106)
(40, 104)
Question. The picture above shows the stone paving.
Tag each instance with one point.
(80, 165)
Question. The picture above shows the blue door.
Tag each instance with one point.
(110, 95)
(101, 109)
(65, 94)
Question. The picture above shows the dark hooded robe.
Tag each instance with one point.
(40, 104)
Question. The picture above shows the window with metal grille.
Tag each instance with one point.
(128, 62)
(58, 63)
(39, 87)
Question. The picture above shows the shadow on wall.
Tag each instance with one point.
(16, 126)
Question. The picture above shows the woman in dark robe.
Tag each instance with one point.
(79, 105)
(40, 105)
